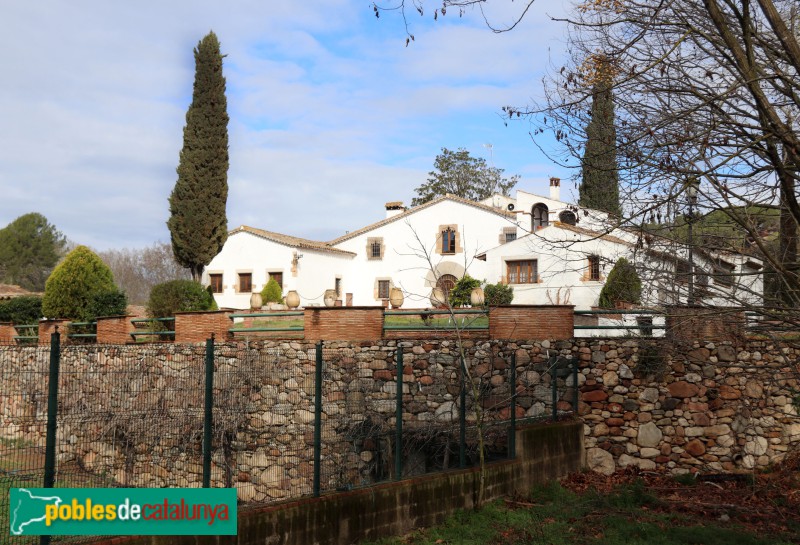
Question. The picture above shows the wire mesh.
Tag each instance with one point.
(132, 415)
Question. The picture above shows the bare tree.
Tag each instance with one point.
(137, 270)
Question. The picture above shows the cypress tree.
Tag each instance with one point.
(198, 224)
(599, 188)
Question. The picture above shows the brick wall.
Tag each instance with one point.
(343, 323)
(7, 332)
(114, 329)
(712, 324)
(537, 322)
(195, 327)
(48, 327)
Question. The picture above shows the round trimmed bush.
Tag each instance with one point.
(498, 294)
(75, 284)
(179, 296)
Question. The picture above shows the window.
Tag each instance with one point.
(522, 272)
(723, 275)
(245, 282)
(277, 276)
(337, 285)
(215, 281)
(539, 216)
(375, 248)
(568, 217)
(383, 289)
(508, 234)
(594, 267)
(682, 271)
(446, 283)
(448, 241)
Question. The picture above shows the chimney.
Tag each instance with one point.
(555, 188)
(394, 208)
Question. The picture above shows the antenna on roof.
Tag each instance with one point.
(490, 147)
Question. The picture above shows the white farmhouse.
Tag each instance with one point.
(413, 249)
(550, 251)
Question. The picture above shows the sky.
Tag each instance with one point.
(331, 116)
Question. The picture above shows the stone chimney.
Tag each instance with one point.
(555, 188)
(394, 208)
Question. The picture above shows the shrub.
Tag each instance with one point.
(459, 295)
(21, 310)
(71, 289)
(108, 303)
(272, 292)
(498, 294)
(623, 285)
(178, 296)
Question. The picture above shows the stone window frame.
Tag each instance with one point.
(239, 277)
(593, 262)
(377, 288)
(452, 227)
(371, 241)
(505, 233)
(219, 275)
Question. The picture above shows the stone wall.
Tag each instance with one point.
(701, 406)
(134, 413)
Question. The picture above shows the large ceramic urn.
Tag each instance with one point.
(396, 297)
(292, 299)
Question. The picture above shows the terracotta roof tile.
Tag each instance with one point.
(294, 242)
(409, 211)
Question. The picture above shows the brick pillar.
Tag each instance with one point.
(195, 327)
(7, 332)
(532, 322)
(705, 324)
(48, 327)
(114, 329)
(343, 323)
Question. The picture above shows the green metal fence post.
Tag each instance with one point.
(575, 386)
(462, 419)
(317, 418)
(512, 436)
(208, 422)
(398, 439)
(52, 413)
(554, 384)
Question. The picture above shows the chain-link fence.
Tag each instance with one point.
(287, 419)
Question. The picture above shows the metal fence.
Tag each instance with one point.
(274, 420)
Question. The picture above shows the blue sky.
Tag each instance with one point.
(331, 116)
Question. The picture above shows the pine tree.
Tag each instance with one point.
(600, 186)
(198, 223)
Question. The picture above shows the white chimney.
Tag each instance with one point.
(555, 188)
(394, 208)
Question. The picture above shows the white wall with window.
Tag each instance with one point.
(449, 230)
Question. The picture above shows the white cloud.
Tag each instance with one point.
(330, 115)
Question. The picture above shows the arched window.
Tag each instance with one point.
(568, 217)
(539, 217)
(446, 283)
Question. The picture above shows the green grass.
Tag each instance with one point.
(553, 515)
(436, 321)
(271, 323)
